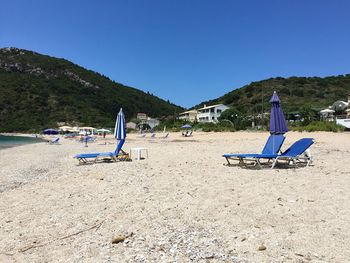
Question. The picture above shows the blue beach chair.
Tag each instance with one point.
(272, 146)
(295, 154)
(104, 156)
(54, 141)
(87, 139)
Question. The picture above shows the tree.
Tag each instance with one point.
(308, 114)
(239, 120)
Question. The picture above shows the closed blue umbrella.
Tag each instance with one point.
(120, 127)
(50, 131)
(278, 124)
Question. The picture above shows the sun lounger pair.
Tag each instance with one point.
(153, 135)
(295, 153)
(54, 141)
(187, 134)
(118, 154)
(87, 139)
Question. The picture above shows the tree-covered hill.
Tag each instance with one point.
(296, 93)
(38, 91)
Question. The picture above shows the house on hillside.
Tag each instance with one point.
(338, 112)
(343, 110)
(141, 116)
(340, 106)
(86, 130)
(190, 115)
(210, 113)
(131, 125)
(152, 122)
(327, 114)
(67, 129)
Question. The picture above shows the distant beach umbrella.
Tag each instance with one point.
(120, 127)
(278, 124)
(103, 130)
(65, 128)
(186, 126)
(50, 132)
(327, 111)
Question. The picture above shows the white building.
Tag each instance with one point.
(345, 106)
(68, 129)
(190, 115)
(131, 125)
(86, 130)
(327, 114)
(210, 113)
(152, 122)
(141, 116)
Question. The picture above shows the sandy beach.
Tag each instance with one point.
(179, 205)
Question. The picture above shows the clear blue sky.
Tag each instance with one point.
(186, 51)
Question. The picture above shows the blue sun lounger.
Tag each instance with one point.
(295, 153)
(111, 156)
(272, 146)
(54, 141)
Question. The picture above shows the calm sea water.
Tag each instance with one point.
(11, 141)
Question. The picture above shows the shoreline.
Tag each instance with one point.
(17, 134)
(18, 140)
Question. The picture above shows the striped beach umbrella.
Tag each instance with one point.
(120, 127)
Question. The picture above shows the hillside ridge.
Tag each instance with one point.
(38, 91)
(295, 93)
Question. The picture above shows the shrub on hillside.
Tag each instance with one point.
(215, 127)
(319, 126)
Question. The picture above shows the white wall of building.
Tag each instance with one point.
(188, 115)
(211, 113)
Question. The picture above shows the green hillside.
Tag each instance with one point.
(295, 93)
(38, 91)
